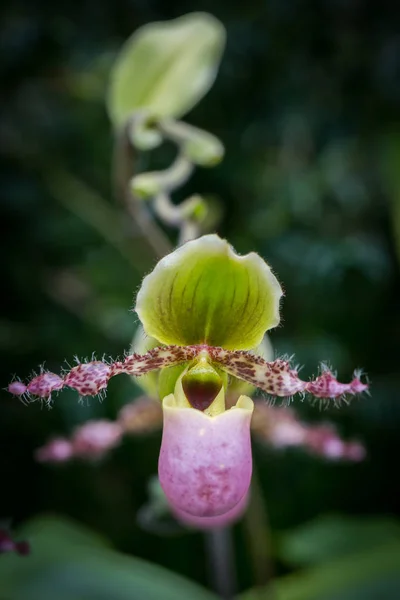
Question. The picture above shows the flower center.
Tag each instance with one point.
(201, 385)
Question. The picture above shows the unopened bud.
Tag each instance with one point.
(203, 149)
(143, 132)
(145, 186)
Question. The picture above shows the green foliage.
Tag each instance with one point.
(371, 575)
(348, 559)
(333, 537)
(69, 562)
(390, 166)
(166, 68)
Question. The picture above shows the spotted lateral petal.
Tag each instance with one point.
(277, 378)
(90, 378)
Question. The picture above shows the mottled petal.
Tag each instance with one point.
(90, 378)
(238, 387)
(205, 462)
(44, 384)
(277, 378)
(326, 386)
(141, 344)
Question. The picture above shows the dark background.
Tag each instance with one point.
(306, 103)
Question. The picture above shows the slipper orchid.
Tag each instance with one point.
(208, 309)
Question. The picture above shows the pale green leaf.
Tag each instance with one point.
(373, 574)
(333, 536)
(390, 161)
(166, 67)
(68, 562)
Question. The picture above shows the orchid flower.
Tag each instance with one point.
(208, 310)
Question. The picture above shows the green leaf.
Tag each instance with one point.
(370, 575)
(68, 562)
(166, 68)
(334, 536)
(390, 160)
(204, 293)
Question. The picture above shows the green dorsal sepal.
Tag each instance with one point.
(205, 293)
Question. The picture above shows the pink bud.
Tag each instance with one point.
(286, 433)
(333, 448)
(355, 451)
(57, 450)
(95, 438)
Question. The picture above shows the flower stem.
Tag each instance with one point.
(220, 551)
(258, 534)
(123, 167)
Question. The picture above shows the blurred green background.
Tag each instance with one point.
(307, 105)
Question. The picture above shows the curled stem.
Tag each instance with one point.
(148, 185)
(123, 166)
(190, 210)
(195, 147)
(189, 230)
